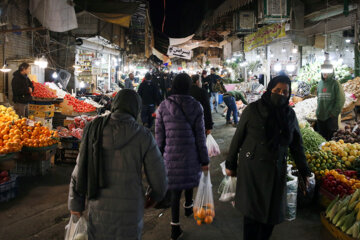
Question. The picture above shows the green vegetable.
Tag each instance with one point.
(349, 221)
(339, 215)
(331, 205)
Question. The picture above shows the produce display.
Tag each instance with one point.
(353, 86)
(340, 182)
(344, 213)
(75, 129)
(303, 89)
(351, 134)
(59, 92)
(304, 108)
(16, 134)
(78, 105)
(4, 177)
(320, 161)
(311, 139)
(41, 91)
(345, 151)
(92, 102)
(7, 114)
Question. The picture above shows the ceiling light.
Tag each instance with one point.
(55, 75)
(5, 69)
(290, 68)
(277, 67)
(348, 40)
(295, 50)
(283, 50)
(41, 62)
(341, 60)
(337, 48)
(327, 67)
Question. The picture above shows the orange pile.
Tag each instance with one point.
(205, 214)
(14, 135)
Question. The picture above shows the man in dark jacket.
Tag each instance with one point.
(22, 88)
(212, 80)
(230, 99)
(116, 209)
(150, 96)
(202, 96)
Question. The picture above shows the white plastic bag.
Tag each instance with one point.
(204, 210)
(291, 197)
(76, 230)
(229, 190)
(212, 146)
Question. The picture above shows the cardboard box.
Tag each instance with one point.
(41, 114)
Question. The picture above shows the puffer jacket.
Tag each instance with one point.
(20, 87)
(117, 212)
(182, 143)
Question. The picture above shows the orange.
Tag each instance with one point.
(198, 222)
(208, 219)
(201, 213)
(6, 137)
(210, 212)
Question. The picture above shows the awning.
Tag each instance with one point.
(110, 11)
(229, 6)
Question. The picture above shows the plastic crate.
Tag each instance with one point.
(31, 168)
(8, 190)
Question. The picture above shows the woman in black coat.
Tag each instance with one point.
(267, 128)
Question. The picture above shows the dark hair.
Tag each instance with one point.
(195, 78)
(131, 73)
(213, 69)
(148, 76)
(181, 84)
(23, 66)
(204, 72)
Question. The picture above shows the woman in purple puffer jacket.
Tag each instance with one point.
(180, 135)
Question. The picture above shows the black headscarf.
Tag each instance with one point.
(182, 84)
(279, 121)
(90, 163)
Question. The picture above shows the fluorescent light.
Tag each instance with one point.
(348, 40)
(290, 67)
(55, 75)
(277, 67)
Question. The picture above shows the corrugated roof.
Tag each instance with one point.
(230, 6)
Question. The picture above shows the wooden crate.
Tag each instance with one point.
(335, 232)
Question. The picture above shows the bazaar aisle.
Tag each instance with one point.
(42, 204)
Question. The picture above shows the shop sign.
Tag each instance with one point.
(179, 52)
(264, 36)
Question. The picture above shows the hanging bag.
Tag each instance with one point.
(204, 210)
(76, 230)
(212, 146)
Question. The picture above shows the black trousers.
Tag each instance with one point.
(254, 230)
(175, 203)
(328, 127)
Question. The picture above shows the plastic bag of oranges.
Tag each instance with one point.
(204, 211)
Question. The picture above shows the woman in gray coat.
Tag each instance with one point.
(258, 151)
(108, 173)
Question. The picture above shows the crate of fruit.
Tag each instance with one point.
(8, 186)
(31, 168)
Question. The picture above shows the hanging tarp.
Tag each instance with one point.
(160, 56)
(110, 11)
(179, 52)
(55, 15)
(264, 36)
(177, 41)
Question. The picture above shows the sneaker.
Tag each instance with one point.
(176, 232)
(189, 209)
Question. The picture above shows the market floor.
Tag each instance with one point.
(40, 210)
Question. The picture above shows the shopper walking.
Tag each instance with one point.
(150, 96)
(202, 96)
(180, 135)
(214, 95)
(230, 99)
(129, 81)
(257, 156)
(22, 88)
(331, 99)
(108, 173)
(167, 84)
(205, 82)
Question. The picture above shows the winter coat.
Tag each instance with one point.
(149, 93)
(129, 83)
(182, 143)
(331, 99)
(117, 212)
(202, 96)
(20, 87)
(261, 171)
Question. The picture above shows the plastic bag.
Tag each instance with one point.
(76, 229)
(212, 146)
(229, 189)
(204, 210)
(291, 197)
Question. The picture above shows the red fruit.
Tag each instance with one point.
(4, 174)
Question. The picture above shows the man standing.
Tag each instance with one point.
(22, 88)
(167, 85)
(150, 96)
(331, 99)
(205, 81)
(214, 95)
(129, 82)
(230, 99)
(202, 96)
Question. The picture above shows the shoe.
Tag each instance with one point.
(234, 125)
(229, 122)
(176, 232)
(189, 209)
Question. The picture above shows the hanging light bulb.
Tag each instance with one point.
(347, 48)
(337, 48)
(283, 50)
(295, 50)
(327, 67)
(55, 75)
(277, 66)
(82, 84)
(41, 62)
(341, 60)
(290, 68)
(5, 69)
